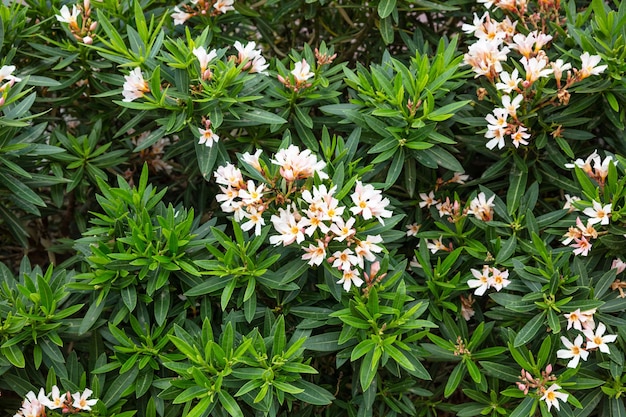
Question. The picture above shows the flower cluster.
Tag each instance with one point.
(551, 395)
(488, 277)
(309, 216)
(495, 43)
(85, 31)
(250, 58)
(201, 8)
(36, 405)
(299, 76)
(594, 166)
(594, 337)
(579, 236)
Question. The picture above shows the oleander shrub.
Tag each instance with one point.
(312, 208)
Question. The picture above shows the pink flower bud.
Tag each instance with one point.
(93, 26)
(87, 40)
(549, 369)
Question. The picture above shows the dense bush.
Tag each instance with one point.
(305, 207)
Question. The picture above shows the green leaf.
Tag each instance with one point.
(204, 407)
(129, 297)
(286, 387)
(312, 394)
(362, 348)
(14, 355)
(444, 158)
(93, 314)
(229, 404)
(386, 30)
(399, 357)
(530, 330)
(369, 368)
(206, 157)
(456, 376)
(258, 116)
(119, 385)
(161, 306)
(385, 7)
(500, 371)
(517, 187)
(525, 407)
(473, 370)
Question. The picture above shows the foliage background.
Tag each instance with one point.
(120, 272)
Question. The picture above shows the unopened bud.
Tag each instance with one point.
(87, 40)
(93, 26)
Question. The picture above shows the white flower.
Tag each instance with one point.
(56, 401)
(412, 229)
(582, 245)
(519, 136)
(428, 199)
(483, 280)
(343, 230)
(253, 160)
(255, 219)
(302, 71)
(597, 340)
(509, 82)
(134, 86)
(436, 245)
(573, 351)
(67, 17)
(207, 137)
(223, 6)
(499, 278)
(535, 68)
(551, 396)
(204, 58)
(511, 106)
(619, 265)
(81, 402)
(345, 260)
(575, 319)
(481, 207)
(569, 202)
(589, 65)
(459, 178)
(6, 73)
(559, 66)
(350, 277)
(251, 194)
(598, 213)
(179, 16)
(315, 254)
